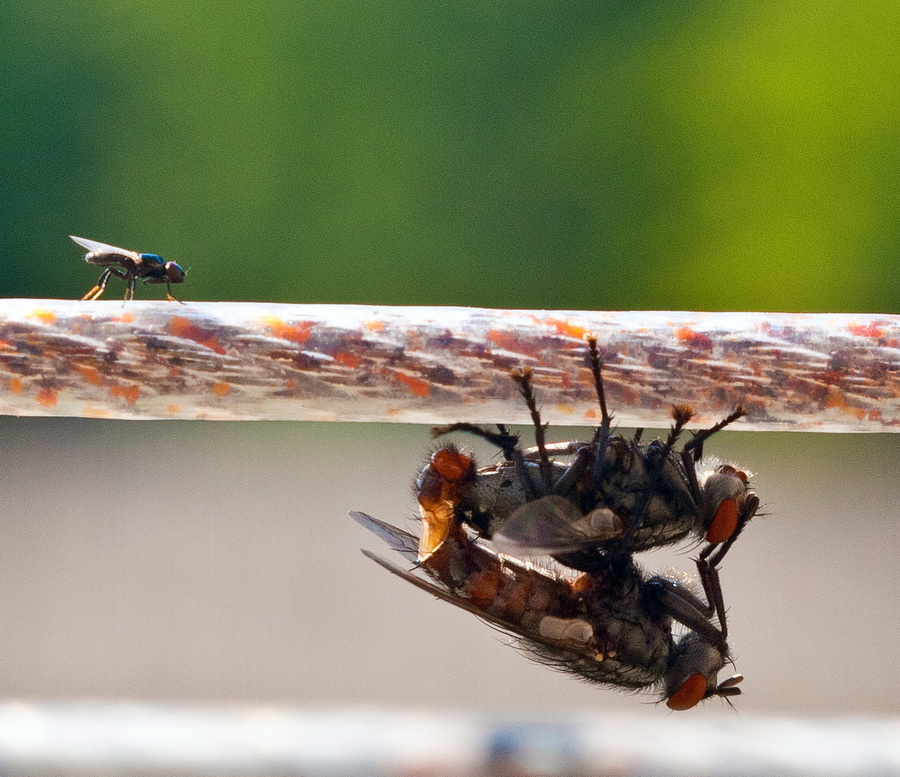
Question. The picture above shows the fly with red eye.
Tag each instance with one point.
(130, 266)
(611, 626)
(579, 498)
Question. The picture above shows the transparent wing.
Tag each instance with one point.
(103, 248)
(554, 525)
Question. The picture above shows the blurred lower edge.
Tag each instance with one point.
(110, 739)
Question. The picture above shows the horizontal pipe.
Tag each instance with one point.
(436, 365)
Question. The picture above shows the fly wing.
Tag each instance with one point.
(403, 542)
(538, 646)
(103, 248)
(553, 524)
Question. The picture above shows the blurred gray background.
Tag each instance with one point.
(170, 561)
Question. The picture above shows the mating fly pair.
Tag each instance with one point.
(597, 616)
(130, 266)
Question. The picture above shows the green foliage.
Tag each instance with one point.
(693, 155)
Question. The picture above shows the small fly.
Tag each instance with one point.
(129, 266)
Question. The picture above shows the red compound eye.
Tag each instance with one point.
(692, 691)
(724, 522)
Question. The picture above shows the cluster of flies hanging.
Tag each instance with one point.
(589, 506)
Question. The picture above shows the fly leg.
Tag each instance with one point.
(691, 611)
(710, 558)
(502, 438)
(523, 376)
(98, 290)
(169, 296)
(601, 436)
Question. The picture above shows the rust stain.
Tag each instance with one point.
(221, 389)
(45, 316)
(182, 327)
(835, 398)
(90, 374)
(568, 329)
(506, 340)
(350, 360)
(15, 385)
(418, 387)
(47, 397)
(129, 393)
(695, 339)
(298, 333)
(374, 326)
(865, 330)
(173, 409)
(564, 408)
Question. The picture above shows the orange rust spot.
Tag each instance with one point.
(90, 374)
(129, 393)
(182, 327)
(47, 397)
(350, 360)
(295, 334)
(15, 385)
(173, 408)
(565, 409)
(178, 325)
(567, 328)
(4, 344)
(835, 398)
(865, 330)
(418, 387)
(374, 326)
(591, 413)
(221, 389)
(859, 413)
(291, 384)
(125, 318)
(506, 340)
(696, 339)
(47, 316)
(391, 411)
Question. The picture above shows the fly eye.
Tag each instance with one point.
(174, 273)
(692, 691)
(724, 522)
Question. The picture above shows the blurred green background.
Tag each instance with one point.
(667, 155)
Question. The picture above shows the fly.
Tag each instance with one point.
(578, 498)
(129, 266)
(611, 626)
